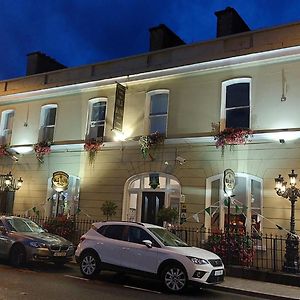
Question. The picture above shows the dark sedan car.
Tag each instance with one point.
(22, 240)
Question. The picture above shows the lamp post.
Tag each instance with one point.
(291, 264)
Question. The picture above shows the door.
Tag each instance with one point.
(7, 202)
(151, 203)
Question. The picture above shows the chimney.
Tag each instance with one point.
(38, 62)
(230, 22)
(162, 37)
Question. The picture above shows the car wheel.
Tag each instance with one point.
(89, 264)
(17, 256)
(174, 278)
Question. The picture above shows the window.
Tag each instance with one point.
(138, 235)
(158, 111)
(96, 119)
(7, 118)
(245, 208)
(112, 231)
(235, 111)
(47, 123)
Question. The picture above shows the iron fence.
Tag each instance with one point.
(264, 252)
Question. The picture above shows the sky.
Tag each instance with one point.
(79, 32)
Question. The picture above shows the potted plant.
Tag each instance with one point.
(149, 143)
(92, 146)
(109, 209)
(167, 215)
(41, 149)
(231, 137)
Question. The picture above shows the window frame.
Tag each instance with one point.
(148, 117)
(5, 132)
(222, 208)
(91, 102)
(42, 125)
(227, 83)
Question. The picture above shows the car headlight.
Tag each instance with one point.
(198, 261)
(37, 245)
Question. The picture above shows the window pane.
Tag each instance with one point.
(98, 111)
(162, 182)
(135, 184)
(114, 232)
(174, 184)
(237, 95)
(255, 194)
(240, 191)
(158, 124)
(159, 104)
(8, 120)
(215, 186)
(238, 118)
(50, 114)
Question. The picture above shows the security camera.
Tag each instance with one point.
(180, 160)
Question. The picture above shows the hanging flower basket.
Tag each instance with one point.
(149, 143)
(41, 149)
(92, 146)
(231, 137)
(3, 150)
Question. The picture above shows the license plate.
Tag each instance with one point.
(59, 254)
(218, 272)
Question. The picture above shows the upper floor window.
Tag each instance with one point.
(6, 125)
(158, 111)
(96, 119)
(47, 122)
(235, 108)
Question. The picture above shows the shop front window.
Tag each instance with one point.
(244, 213)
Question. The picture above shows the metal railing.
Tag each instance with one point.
(262, 252)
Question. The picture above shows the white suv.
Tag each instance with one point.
(149, 250)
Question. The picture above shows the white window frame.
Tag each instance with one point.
(147, 110)
(91, 102)
(222, 209)
(6, 132)
(44, 109)
(225, 84)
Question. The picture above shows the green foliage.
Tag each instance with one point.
(109, 209)
(62, 226)
(167, 214)
(233, 248)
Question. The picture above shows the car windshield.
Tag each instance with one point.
(24, 225)
(168, 238)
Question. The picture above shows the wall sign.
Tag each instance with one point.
(228, 180)
(60, 181)
(119, 107)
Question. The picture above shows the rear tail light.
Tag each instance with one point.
(82, 239)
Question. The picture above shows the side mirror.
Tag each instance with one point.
(3, 230)
(147, 243)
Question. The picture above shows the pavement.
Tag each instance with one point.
(259, 289)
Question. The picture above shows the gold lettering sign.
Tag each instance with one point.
(60, 181)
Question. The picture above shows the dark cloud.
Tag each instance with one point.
(77, 32)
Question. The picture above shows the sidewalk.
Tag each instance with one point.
(261, 289)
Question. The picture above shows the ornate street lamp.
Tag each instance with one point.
(291, 264)
(9, 184)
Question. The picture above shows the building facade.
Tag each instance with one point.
(239, 80)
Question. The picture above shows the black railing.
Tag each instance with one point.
(265, 252)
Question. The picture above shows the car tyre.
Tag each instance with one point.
(17, 256)
(174, 278)
(90, 264)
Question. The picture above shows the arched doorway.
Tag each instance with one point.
(142, 202)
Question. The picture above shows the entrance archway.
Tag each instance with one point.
(142, 202)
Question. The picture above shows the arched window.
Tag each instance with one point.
(235, 103)
(141, 202)
(245, 207)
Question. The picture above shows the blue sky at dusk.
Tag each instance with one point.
(78, 32)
